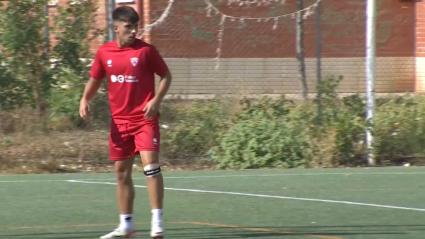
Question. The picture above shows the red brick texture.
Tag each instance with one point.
(343, 30)
(258, 59)
(420, 29)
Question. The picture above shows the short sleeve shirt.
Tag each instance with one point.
(130, 73)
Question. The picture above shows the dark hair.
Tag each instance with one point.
(125, 14)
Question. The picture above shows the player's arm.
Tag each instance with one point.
(152, 107)
(164, 85)
(89, 91)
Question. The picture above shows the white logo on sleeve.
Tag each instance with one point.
(109, 63)
(123, 78)
(134, 61)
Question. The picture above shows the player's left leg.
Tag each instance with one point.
(155, 184)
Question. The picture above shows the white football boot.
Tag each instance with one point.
(118, 233)
(157, 230)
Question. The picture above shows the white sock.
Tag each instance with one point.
(126, 221)
(156, 215)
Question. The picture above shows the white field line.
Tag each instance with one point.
(228, 176)
(33, 181)
(266, 196)
(294, 174)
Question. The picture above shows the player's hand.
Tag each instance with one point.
(84, 109)
(151, 109)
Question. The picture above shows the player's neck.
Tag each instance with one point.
(122, 44)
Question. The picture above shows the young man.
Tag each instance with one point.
(130, 65)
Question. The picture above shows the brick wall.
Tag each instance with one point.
(258, 59)
(420, 46)
(196, 76)
(343, 30)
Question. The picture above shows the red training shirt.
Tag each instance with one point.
(130, 72)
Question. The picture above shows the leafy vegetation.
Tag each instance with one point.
(232, 133)
(32, 71)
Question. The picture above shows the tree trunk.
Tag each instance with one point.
(318, 61)
(35, 81)
(300, 48)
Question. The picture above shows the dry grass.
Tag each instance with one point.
(53, 152)
(70, 151)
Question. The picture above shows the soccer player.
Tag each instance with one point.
(130, 65)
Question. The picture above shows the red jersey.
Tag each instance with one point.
(130, 72)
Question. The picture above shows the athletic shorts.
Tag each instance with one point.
(126, 140)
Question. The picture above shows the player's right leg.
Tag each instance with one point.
(125, 199)
(121, 149)
(125, 193)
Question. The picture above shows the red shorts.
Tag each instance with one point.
(126, 140)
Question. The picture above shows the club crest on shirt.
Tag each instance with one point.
(109, 63)
(134, 61)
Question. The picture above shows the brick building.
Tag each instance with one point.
(258, 55)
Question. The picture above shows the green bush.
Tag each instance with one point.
(75, 22)
(261, 136)
(27, 75)
(343, 120)
(64, 101)
(327, 102)
(24, 53)
(70, 70)
(194, 128)
(13, 93)
(399, 130)
(349, 138)
(65, 97)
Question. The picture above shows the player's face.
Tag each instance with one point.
(125, 32)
